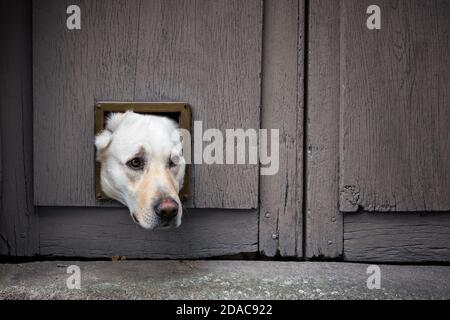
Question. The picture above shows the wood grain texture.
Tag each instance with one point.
(395, 132)
(281, 223)
(324, 222)
(403, 237)
(207, 53)
(107, 232)
(73, 69)
(18, 221)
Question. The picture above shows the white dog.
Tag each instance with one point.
(142, 167)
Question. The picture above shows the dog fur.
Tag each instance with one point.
(155, 142)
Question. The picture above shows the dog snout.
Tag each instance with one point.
(166, 208)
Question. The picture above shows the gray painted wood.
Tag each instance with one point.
(207, 53)
(323, 222)
(73, 69)
(280, 222)
(108, 232)
(403, 237)
(18, 221)
(395, 132)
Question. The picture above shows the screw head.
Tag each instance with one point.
(275, 236)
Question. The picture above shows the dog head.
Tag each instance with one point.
(142, 167)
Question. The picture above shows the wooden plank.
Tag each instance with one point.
(280, 222)
(323, 229)
(400, 237)
(18, 221)
(207, 53)
(73, 69)
(107, 232)
(395, 133)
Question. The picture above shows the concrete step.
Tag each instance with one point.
(221, 280)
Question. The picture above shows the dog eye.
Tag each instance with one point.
(136, 163)
(171, 163)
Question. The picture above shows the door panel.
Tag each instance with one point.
(71, 69)
(378, 131)
(207, 53)
(18, 219)
(395, 115)
(281, 214)
(323, 221)
(108, 232)
(401, 237)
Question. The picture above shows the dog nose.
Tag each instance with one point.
(166, 208)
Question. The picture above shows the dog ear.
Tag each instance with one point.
(102, 141)
(114, 119)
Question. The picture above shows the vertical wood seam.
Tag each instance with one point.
(323, 221)
(281, 196)
(261, 79)
(19, 221)
(304, 138)
(137, 48)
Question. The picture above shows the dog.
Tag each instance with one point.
(142, 167)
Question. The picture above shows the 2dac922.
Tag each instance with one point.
(248, 309)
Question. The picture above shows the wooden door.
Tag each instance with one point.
(363, 119)
(207, 53)
(379, 108)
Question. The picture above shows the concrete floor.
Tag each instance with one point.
(221, 280)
